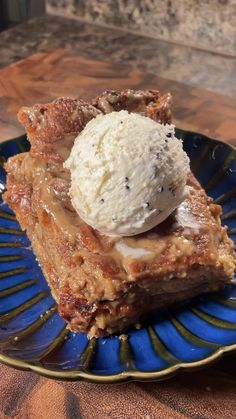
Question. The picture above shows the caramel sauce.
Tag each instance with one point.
(51, 199)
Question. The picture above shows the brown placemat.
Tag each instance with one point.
(207, 394)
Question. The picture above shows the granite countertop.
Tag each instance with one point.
(184, 64)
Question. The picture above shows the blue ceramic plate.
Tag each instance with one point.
(33, 336)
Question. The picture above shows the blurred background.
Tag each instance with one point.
(13, 12)
(191, 41)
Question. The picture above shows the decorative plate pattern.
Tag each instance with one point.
(33, 336)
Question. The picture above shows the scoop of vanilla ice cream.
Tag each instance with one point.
(128, 173)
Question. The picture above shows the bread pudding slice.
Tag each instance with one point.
(104, 284)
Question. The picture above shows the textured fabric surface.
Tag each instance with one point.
(209, 393)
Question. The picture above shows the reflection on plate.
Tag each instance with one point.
(33, 336)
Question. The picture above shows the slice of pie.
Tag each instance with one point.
(103, 284)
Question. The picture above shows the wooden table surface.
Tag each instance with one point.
(209, 393)
(47, 75)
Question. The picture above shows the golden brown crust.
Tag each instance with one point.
(149, 103)
(51, 121)
(100, 289)
(49, 124)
